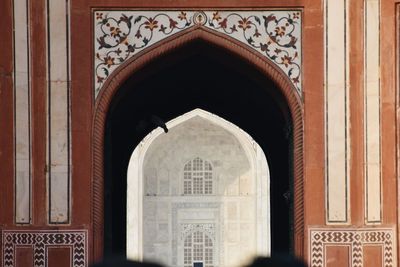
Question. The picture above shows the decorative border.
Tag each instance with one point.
(397, 86)
(121, 34)
(40, 241)
(354, 238)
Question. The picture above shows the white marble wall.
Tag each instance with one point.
(238, 209)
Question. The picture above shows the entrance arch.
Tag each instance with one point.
(240, 52)
(205, 175)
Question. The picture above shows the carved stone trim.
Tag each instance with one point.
(41, 240)
(356, 239)
(188, 228)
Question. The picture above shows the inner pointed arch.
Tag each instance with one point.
(231, 178)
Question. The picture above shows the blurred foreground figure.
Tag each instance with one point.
(123, 262)
(277, 261)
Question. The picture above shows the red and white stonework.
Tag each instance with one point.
(335, 69)
(40, 242)
(354, 241)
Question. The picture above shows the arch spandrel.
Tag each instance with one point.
(120, 35)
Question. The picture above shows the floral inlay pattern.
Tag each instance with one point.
(121, 34)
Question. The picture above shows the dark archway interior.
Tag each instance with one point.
(204, 76)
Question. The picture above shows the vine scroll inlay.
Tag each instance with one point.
(121, 34)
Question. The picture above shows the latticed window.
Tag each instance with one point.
(198, 247)
(197, 177)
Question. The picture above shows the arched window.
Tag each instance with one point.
(198, 247)
(197, 177)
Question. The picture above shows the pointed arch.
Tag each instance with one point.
(145, 58)
(256, 165)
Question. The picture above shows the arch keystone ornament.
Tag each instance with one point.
(119, 35)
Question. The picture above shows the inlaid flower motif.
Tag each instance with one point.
(223, 23)
(126, 20)
(151, 24)
(109, 61)
(182, 16)
(162, 28)
(244, 24)
(257, 33)
(216, 16)
(99, 15)
(280, 31)
(286, 60)
(115, 31)
(138, 34)
(130, 48)
(99, 79)
(124, 40)
(172, 23)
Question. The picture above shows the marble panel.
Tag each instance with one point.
(22, 114)
(373, 199)
(58, 108)
(336, 111)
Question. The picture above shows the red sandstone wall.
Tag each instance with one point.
(352, 244)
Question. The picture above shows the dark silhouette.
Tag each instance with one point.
(151, 123)
(116, 261)
(277, 261)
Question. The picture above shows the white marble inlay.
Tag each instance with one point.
(119, 35)
(336, 120)
(22, 114)
(372, 112)
(58, 112)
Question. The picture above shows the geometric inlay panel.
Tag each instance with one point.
(189, 228)
(275, 34)
(356, 239)
(40, 241)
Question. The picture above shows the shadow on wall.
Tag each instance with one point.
(280, 260)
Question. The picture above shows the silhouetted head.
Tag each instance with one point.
(277, 261)
(123, 262)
